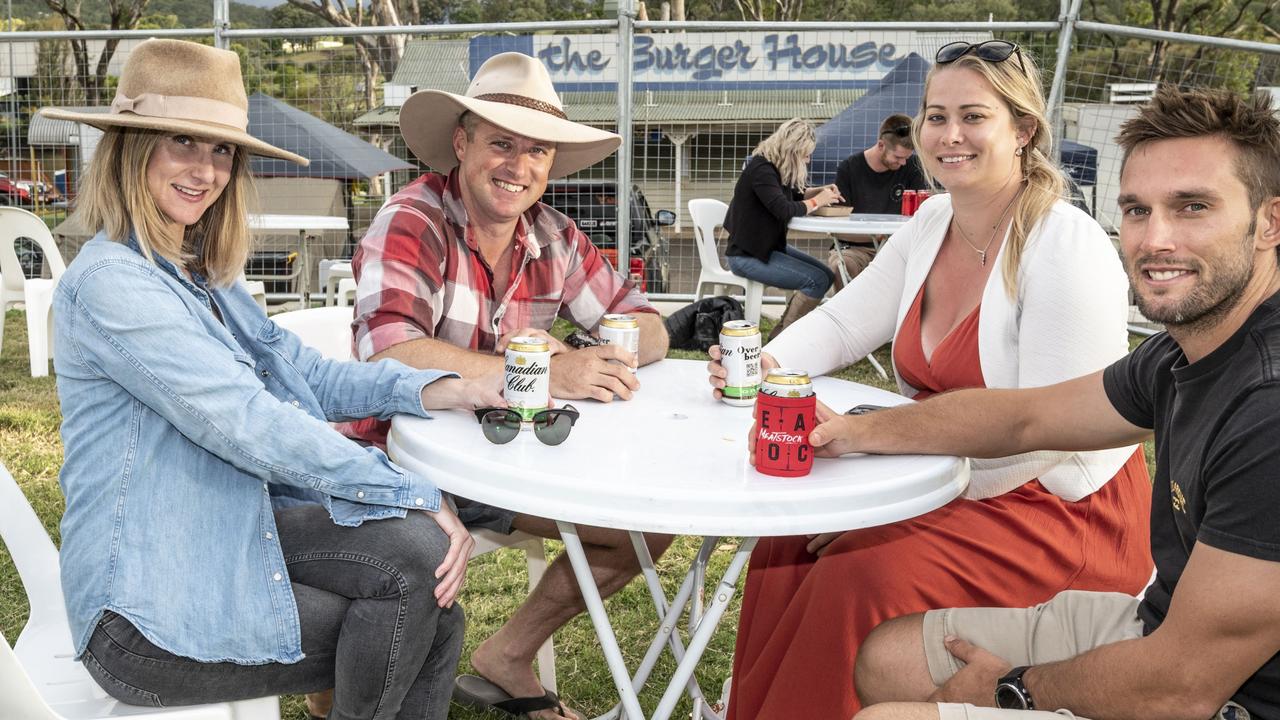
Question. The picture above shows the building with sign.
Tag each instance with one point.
(702, 101)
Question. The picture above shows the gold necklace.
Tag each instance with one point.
(982, 252)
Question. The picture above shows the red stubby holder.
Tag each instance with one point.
(782, 434)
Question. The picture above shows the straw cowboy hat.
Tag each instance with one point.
(181, 87)
(514, 92)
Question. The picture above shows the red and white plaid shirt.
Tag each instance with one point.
(420, 274)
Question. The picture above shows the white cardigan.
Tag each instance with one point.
(1070, 319)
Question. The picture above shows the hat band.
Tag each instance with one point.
(180, 107)
(524, 102)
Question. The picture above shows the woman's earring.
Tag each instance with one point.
(1018, 152)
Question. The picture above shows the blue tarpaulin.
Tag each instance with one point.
(902, 91)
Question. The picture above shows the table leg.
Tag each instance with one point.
(600, 619)
(706, 626)
(668, 616)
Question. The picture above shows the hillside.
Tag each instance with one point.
(189, 14)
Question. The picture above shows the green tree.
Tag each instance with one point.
(121, 15)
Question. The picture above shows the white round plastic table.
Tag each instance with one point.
(855, 224)
(672, 460)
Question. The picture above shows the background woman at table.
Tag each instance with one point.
(185, 410)
(771, 191)
(998, 284)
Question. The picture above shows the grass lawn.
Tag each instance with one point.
(32, 451)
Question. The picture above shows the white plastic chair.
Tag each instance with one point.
(708, 214)
(346, 292)
(331, 273)
(328, 329)
(39, 677)
(37, 293)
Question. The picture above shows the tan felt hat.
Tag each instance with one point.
(181, 87)
(514, 92)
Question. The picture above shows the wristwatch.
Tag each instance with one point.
(1011, 694)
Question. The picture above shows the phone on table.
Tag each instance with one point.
(864, 409)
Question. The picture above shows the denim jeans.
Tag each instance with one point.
(371, 628)
(789, 270)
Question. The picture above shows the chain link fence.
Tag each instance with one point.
(702, 95)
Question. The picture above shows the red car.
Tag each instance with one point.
(11, 193)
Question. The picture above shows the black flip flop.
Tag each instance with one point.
(475, 691)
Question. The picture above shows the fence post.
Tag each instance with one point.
(1056, 91)
(626, 18)
(221, 22)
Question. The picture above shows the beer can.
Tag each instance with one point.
(623, 330)
(908, 202)
(787, 382)
(921, 196)
(740, 357)
(786, 411)
(528, 382)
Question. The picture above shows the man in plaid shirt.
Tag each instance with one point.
(456, 265)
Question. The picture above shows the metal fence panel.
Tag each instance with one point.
(702, 95)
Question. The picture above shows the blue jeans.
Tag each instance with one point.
(789, 270)
(371, 628)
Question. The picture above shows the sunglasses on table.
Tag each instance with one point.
(501, 425)
(993, 51)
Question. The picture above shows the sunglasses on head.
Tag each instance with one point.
(900, 131)
(502, 425)
(993, 51)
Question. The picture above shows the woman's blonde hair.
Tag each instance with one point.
(789, 148)
(114, 197)
(1020, 88)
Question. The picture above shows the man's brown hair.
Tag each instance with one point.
(896, 130)
(1247, 122)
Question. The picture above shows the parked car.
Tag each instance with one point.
(592, 204)
(12, 193)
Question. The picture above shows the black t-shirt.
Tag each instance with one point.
(1217, 460)
(872, 192)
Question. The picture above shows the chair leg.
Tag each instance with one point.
(39, 332)
(536, 559)
(755, 298)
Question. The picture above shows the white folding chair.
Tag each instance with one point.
(328, 329)
(36, 293)
(39, 677)
(708, 214)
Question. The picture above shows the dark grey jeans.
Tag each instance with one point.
(371, 628)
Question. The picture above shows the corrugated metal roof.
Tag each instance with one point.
(435, 64)
(46, 131)
(764, 106)
(377, 117)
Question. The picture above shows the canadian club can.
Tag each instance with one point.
(740, 357)
(623, 330)
(786, 410)
(528, 366)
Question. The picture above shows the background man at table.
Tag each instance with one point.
(872, 181)
(1200, 198)
(454, 266)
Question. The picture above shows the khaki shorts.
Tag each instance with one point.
(1068, 625)
(854, 258)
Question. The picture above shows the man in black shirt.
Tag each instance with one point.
(872, 181)
(1200, 233)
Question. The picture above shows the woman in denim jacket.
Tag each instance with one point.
(220, 540)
